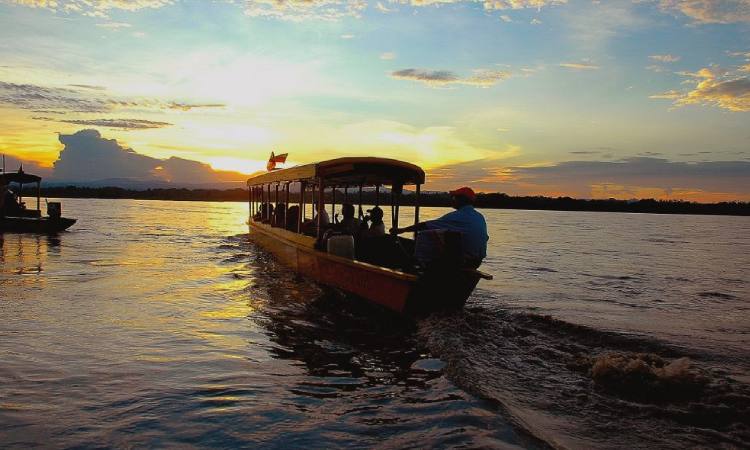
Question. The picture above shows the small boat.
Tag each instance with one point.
(16, 217)
(378, 269)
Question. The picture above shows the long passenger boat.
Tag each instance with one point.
(377, 268)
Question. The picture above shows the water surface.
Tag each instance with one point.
(156, 323)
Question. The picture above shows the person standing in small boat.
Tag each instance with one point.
(465, 220)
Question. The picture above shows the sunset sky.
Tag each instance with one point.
(621, 98)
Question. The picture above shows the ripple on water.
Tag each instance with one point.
(572, 385)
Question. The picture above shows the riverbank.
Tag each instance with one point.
(484, 200)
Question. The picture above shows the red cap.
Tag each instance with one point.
(466, 192)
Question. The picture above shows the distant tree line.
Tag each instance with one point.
(492, 200)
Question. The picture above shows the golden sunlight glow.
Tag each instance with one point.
(245, 166)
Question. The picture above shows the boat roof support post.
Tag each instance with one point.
(333, 204)
(396, 190)
(301, 215)
(416, 207)
(321, 205)
(359, 200)
(268, 206)
(287, 197)
(38, 195)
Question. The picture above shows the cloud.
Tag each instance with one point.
(190, 106)
(13, 163)
(665, 58)
(384, 9)
(710, 11)
(114, 25)
(96, 8)
(535, 22)
(291, 10)
(80, 98)
(88, 86)
(128, 124)
(579, 66)
(713, 87)
(506, 18)
(300, 10)
(479, 77)
(733, 95)
(87, 156)
(491, 5)
(388, 56)
(637, 177)
(669, 95)
(29, 96)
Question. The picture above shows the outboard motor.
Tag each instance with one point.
(54, 210)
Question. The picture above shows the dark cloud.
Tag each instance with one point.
(585, 178)
(88, 86)
(87, 156)
(81, 98)
(189, 106)
(30, 96)
(479, 77)
(426, 76)
(586, 152)
(13, 163)
(128, 124)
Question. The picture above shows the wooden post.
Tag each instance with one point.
(395, 198)
(333, 204)
(249, 204)
(38, 195)
(301, 215)
(276, 208)
(361, 215)
(416, 208)
(287, 193)
(394, 217)
(320, 205)
(268, 207)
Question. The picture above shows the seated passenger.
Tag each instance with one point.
(377, 227)
(292, 216)
(11, 205)
(349, 224)
(323, 216)
(279, 218)
(465, 220)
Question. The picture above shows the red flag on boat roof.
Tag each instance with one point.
(276, 159)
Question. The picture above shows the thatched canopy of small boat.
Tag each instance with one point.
(19, 177)
(352, 171)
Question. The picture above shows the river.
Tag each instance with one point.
(161, 324)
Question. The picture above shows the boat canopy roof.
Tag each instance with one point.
(351, 171)
(19, 177)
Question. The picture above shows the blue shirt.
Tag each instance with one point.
(472, 226)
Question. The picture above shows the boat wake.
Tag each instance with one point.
(567, 385)
(574, 386)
